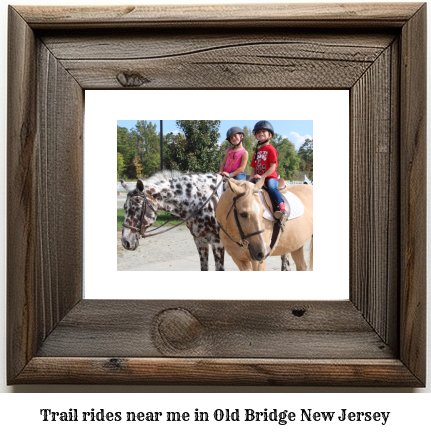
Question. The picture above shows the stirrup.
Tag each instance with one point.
(278, 214)
(281, 217)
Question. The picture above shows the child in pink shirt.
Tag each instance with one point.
(235, 159)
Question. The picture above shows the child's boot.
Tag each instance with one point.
(281, 211)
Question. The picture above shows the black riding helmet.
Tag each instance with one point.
(232, 131)
(263, 124)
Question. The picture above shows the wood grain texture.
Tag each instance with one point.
(300, 15)
(270, 59)
(373, 216)
(366, 373)
(59, 184)
(275, 58)
(377, 51)
(157, 44)
(413, 193)
(22, 199)
(228, 329)
(45, 159)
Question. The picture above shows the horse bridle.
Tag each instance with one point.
(146, 202)
(138, 227)
(244, 237)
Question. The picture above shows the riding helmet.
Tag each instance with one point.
(263, 124)
(232, 131)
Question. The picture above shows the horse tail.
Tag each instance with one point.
(310, 268)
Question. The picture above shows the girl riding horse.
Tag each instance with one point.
(265, 163)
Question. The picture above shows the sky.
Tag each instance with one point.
(295, 130)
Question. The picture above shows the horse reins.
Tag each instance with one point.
(238, 224)
(138, 228)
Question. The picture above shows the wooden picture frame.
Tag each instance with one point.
(376, 338)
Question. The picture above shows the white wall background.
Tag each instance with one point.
(406, 412)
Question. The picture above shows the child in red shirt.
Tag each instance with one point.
(264, 164)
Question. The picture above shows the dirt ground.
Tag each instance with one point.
(175, 251)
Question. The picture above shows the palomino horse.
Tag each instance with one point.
(248, 237)
(191, 197)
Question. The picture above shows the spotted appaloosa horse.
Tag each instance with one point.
(179, 194)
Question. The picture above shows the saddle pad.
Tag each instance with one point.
(292, 202)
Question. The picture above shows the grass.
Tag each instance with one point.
(162, 217)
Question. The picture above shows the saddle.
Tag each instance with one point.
(271, 204)
(294, 206)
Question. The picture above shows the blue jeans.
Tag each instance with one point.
(272, 185)
(240, 176)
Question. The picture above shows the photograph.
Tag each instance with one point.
(175, 173)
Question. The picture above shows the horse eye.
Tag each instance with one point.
(244, 214)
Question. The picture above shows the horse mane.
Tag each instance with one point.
(167, 175)
(247, 189)
(164, 175)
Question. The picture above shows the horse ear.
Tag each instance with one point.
(234, 187)
(259, 184)
(126, 186)
(140, 186)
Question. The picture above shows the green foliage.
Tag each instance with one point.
(148, 146)
(195, 149)
(126, 146)
(288, 159)
(140, 149)
(138, 166)
(120, 165)
(249, 143)
(305, 152)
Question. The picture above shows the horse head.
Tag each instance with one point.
(244, 223)
(140, 213)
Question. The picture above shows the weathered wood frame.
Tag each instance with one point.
(376, 338)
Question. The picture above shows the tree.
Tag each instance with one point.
(288, 160)
(305, 152)
(138, 166)
(148, 146)
(126, 146)
(120, 165)
(195, 149)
